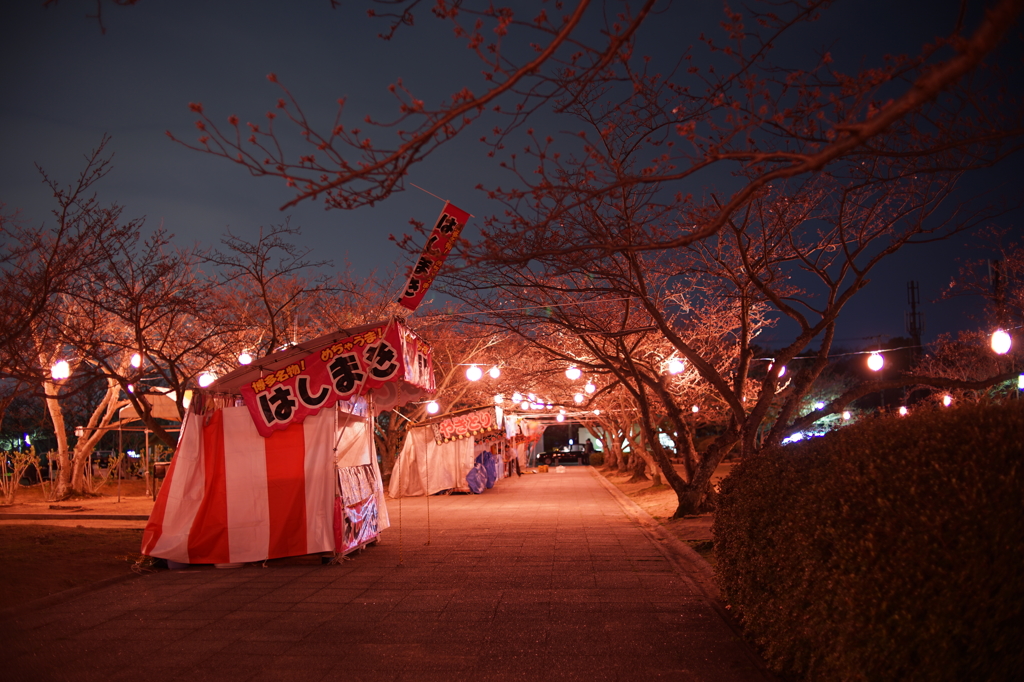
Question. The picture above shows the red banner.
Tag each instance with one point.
(440, 242)
(466, 425)
(351, 366)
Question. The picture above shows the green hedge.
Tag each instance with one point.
(891, 549)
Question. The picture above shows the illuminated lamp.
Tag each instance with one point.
(695, 409)
(875, 361)
(207, 378)
(947, 400)
(498, 399)
(819, 405)
(244, 358)
(590, 387)
(578, 398)
(1001, 342)
(560, 418)
(1020, 381)
(597, 411)
(903, 410)
(136, 361)
(474, 373)
(494, 372)
(517, 397)
(525, 405)
(131, 388)
(61, 370)
(675, 366)
(846, 415)
(433, 407)
(573, 373)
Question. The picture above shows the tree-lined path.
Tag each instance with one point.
(543, 577)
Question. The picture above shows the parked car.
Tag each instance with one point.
(571, 453)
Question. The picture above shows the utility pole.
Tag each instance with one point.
(915, 319)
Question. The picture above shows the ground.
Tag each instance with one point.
(45, 557)
(40, 558)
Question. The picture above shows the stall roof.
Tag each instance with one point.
(232, 382)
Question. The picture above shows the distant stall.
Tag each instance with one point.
(464, 452)
(277, 459)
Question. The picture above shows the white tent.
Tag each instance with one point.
(425, 467)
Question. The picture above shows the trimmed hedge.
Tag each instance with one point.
(891, 549)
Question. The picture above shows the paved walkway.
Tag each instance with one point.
(544, 577)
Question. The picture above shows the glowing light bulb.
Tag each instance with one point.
(433, 407)
(947, 400)
(903, 410)
(573, 373)
(560, 418)
(846, 415)
(136, 361)
(590, 387)
(494, 372)
(875, 361)
(525, 405)
(60, 370)
(245, 358)
(517, 397)
(498, 399)
(695, 409)
(474, 373)
(1001, 342)
(207, 378)
(578, 398)
(675, 366)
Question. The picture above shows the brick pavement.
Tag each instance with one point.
(544, 577)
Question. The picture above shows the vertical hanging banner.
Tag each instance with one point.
(441, 240)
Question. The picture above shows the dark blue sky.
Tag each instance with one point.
(65, 84)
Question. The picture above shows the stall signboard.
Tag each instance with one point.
(439, 243)
(467, 424)
(346, 368)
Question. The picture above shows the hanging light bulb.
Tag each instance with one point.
(1001, 342)
(875, 361)
(136, 361)
(498, 399)
(782, 371)
(433, 407)
(573, 373)
(525, 405)
(207, 378)
(590, 387)
(61, 370)
(947, 400)
(846, 415)
(903, 410)
(675, 366)
(244, 358)
(597, 411)
(695, 409)
(494, 372)
(131, 388)
(517, 397)
(560, 418)
(578, 398)
(474, 373)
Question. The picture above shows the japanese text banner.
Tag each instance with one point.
(466, 425)
(440, 242)
(349, 367)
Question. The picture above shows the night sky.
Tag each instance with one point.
(65, 84)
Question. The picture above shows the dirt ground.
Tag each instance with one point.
(660, 502)
(41, 557)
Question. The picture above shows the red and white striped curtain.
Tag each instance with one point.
(233, 496)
